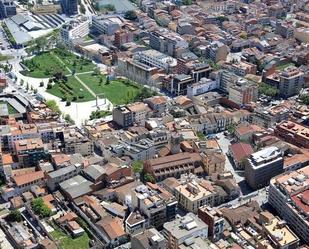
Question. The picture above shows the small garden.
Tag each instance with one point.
(67, 242)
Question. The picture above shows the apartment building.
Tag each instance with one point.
(122, 37)
(180, 83)
(75, 30)
(174, 165)
(143, 149)
(293, 133)
(23, 183)
(243, 92)
(29, 151)
(75, 142)
(281, 235)
(183, 229)
(69, 7)
(191, 194)
(157, 59)
(291, 81)
(205, 85)
(15, 132)
(242, 68)
(137, 71)
(7, 8)
(158, 205)
(289, 195)
(285, 29)
(123, 116)
(157, 104)
(136, 223)
(103, 24)
(149, 239)
(217, 51)
(167, 42)
(58, 176)
(139, 111)
(214, 162)
(215, 221)
(261, 166)
(226, 78)
(268, 116)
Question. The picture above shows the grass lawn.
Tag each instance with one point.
(66, 242)
(11, 109)
(72, 61)
(283, 66)
(5, 57)
(77, 90)
(116, 91)
(43, 65)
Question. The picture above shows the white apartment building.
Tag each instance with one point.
(182, 229)
(75, 29)
(105, 25)
(289, 195)
(156, 59)
(205, 85)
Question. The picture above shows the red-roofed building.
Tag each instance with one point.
(239, 152)
(301, 200)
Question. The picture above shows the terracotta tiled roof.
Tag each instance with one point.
(28, 178)
(7, 159)
(240, 151)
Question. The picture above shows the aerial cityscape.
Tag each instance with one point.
(154, 124)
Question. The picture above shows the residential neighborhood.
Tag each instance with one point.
(154, 124)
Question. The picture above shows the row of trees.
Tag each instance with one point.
(43, 43)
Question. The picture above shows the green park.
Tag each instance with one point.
(74, 78)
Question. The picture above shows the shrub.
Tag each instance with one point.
(40, 208)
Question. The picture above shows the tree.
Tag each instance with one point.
(82, 9)
(64, 98)
(305, 98)
(96, 71)
(137, 166)
(149, 178)
(268, 90)
(109, 7)
(243, 35)
(68, 118)
(15, 216)
(231, 128)
(40, 208)
(53, 106)
(222, 18)
(186, 2)
(200, 135)
(130, 15)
